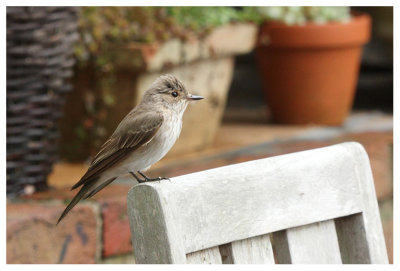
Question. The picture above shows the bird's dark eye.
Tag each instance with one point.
(174, 93)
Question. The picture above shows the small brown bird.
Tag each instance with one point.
(142, 138)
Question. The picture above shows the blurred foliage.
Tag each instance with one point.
(301, 15)
(101, 26)
(201, 19)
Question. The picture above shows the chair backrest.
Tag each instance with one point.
(316, 206)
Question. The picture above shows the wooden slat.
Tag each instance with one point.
(314, 243)
(256, 250)
(205, 256)
(226, 253)
(352, 238)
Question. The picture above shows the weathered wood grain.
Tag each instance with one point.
(205, 256)
(315, 243)
(255, 250)
(226, 253)
(352, 239)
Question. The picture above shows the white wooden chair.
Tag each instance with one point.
(316, 206)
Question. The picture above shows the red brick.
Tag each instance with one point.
(33, 237)
(116, 231)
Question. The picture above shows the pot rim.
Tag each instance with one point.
(356, 32)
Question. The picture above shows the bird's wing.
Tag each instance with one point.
(135, 130)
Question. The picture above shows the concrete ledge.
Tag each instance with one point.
(223, 41)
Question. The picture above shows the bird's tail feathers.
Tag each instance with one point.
(98, 188)
(85, 188)
(88, 190)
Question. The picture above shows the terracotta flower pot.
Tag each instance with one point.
(310, 72)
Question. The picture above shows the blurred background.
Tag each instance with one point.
(276, 80)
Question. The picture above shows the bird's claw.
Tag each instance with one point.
(159, 179)
(165, 178)
(147, 179)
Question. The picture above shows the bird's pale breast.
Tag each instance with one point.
(157, 148)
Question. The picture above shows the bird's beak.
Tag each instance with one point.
(192, 97)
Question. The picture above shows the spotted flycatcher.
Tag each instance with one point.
(142, 138)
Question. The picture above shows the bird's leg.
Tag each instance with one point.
(137, 178)
(152, 179)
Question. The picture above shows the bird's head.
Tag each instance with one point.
(170, 92)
